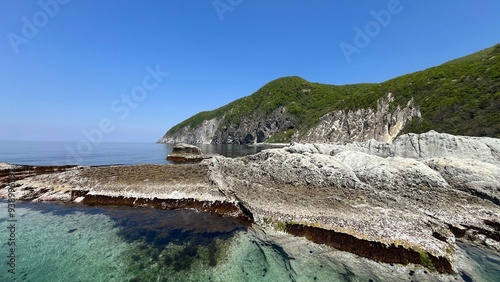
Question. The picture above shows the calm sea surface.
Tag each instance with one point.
(64, 153)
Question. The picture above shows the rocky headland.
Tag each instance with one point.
(405, 202)
(459, 97)
(380, 123)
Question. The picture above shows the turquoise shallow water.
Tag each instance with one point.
(61, 242)
(57, 242)
(488, 263)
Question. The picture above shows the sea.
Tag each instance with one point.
(73, 242)
(89, 154)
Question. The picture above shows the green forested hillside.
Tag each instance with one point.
(459, 97)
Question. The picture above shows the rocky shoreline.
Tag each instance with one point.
(405, 202)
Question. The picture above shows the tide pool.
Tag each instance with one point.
(56, 242)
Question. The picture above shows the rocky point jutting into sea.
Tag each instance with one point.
(460, 97)
(405, 202)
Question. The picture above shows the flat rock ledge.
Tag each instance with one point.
(406, 202)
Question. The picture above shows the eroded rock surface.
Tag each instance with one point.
(381, 123)
(202, 134)
(251, 130)
(416, 192)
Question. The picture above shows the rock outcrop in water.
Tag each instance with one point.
(186, 153)
(403, 202)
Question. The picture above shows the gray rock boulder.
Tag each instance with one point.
(475, 177)
(435, 145)
(392, 173)
(182, 153)
(405, 193)
(410, 199)
(423, 146)
(186, 149)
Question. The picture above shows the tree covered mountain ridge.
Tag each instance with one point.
(460, 97)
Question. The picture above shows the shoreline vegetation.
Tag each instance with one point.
(407, 202)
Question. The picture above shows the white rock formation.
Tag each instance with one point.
(199, 135)
(341, 126)
(380, 124)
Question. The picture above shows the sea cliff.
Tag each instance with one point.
(460, 97)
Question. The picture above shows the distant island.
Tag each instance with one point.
(460, 97)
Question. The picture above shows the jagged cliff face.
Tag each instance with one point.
(380, 124)
(199, 135)
(340, 126)
(255, 129)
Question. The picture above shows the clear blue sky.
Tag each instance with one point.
(84, 55)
